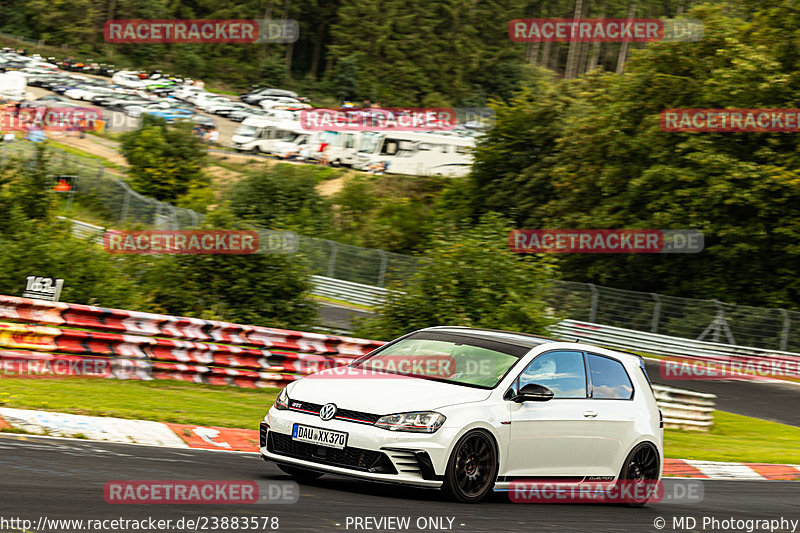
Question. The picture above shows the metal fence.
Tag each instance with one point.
(105, 194)
(709, 320)
(37, 42)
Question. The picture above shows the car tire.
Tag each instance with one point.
(300, 474)
(641, 467)
(472, 469)
(256, 150)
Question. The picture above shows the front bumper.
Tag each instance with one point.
(371, 453)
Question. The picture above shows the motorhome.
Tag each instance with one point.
(259, 134)
(416, 154)
(341, 147)
(299, 145)
(13, 86)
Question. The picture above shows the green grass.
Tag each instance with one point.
(83, 154)
(159, 400)
(736, 438)
(326, 299)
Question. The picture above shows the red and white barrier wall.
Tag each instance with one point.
(135, 345)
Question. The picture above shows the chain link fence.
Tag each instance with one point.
(708, 320)
(104, 193)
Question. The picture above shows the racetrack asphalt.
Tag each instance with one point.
(60, 478)
(773, 400)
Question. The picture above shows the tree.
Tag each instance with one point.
(590, 153)
(166, 161)
(283, 197)
(261, 288)
(468, 278)
(34, 242)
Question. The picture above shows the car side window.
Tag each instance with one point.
(563, 372)
(609, 379)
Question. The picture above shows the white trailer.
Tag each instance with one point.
(259, 134)
(13, 86)
(342, 147)
(416, 154)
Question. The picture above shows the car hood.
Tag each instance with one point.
(381, 393)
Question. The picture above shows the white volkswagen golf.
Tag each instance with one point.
(471, 411)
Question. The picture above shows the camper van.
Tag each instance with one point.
(416, 154)
(341, 148)
(259, 134)
(13, 86)
(298, 145)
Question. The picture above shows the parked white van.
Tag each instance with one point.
(299, 144)
(13, 86)
(416, 154)
(259, 134)
(341, 149)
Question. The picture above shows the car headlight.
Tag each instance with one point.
(282, 401)
(419, 422)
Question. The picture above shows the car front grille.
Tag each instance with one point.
(348, 457)
(347, 415)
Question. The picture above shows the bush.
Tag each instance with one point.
(166, 161)
(283, 197)
(468, 278)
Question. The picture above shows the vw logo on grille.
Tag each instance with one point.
(328, 411)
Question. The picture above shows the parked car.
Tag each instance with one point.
(272, 101)
(209, 100)
(254, 97)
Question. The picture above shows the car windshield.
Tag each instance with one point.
(246, 131)
(457, 359)
(369, 142)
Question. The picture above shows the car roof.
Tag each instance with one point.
(528, 340)
(509, 337)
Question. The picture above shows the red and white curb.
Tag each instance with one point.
(171, 435)
(730, 471)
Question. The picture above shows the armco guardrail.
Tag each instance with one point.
(72, 337)
(145, 345)
(685, 409)
(347, 291)
(84, 230)
(665, 345)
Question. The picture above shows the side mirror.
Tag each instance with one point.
(533, 393)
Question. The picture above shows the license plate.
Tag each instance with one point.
(322, 437)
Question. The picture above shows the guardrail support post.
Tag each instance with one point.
(382, 271)
(332, 260)
(787, 323)
(656, 313)
(125, 203)
(595, 297)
